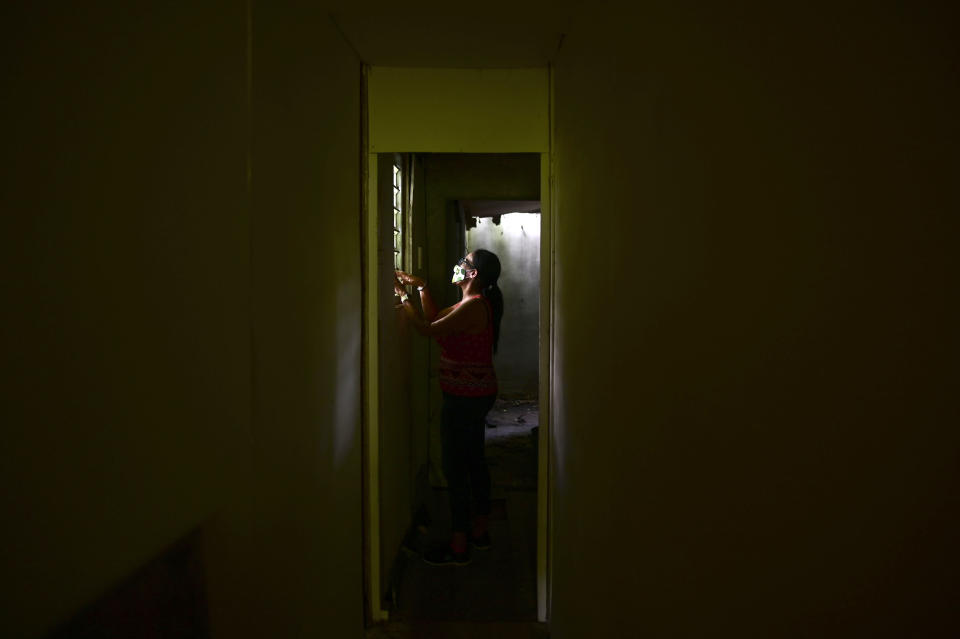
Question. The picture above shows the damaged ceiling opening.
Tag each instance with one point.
(474, 209)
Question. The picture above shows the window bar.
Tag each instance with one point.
(397, 216)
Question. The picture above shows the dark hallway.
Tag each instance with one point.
(434, 208)
(753, 352)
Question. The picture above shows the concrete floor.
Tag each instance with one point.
(495, 596)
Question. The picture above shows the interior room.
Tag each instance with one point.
(433, 209)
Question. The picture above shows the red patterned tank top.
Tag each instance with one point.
(466, 360)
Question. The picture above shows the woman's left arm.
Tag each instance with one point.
(426, 300)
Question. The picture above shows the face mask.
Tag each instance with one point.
(459, 274)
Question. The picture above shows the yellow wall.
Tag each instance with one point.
(179, 353)
(755, 371)
(458, 110)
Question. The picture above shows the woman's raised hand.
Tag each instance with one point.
(399, 291)
(409, 280)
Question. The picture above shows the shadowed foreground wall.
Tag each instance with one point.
(297, 572)
(126, 314)
(137, 266)
(755, 434)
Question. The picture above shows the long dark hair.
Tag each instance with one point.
(488, 271)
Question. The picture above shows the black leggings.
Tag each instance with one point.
(462, 432)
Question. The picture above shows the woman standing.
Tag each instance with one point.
(468, 333)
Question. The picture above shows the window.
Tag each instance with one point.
(397, 217)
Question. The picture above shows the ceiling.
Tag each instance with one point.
(484, 37)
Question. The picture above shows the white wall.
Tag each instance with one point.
(516, 241)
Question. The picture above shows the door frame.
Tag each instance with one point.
(514, 115)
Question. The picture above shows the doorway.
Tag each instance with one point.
(413, 114)
(424, 224)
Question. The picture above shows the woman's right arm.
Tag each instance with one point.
(429, 306)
